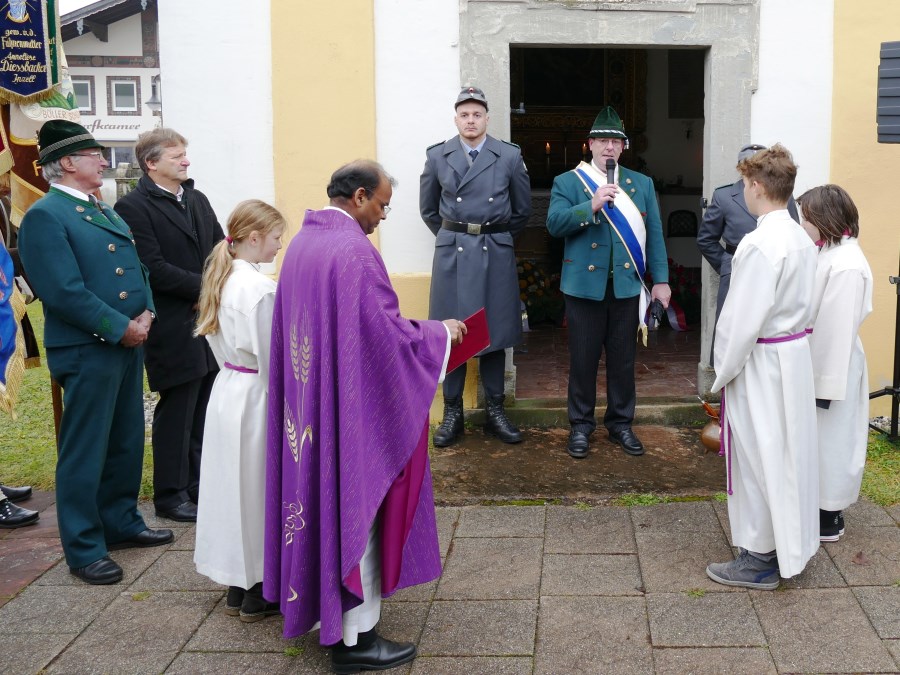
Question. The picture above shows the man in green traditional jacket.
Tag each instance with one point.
(80, 257)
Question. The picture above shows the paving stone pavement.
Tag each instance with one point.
(526, 590)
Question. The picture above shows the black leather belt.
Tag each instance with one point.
(474, 228)
(730, 248)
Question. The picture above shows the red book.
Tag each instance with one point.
(475, 340)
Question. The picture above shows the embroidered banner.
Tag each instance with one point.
(29, 32)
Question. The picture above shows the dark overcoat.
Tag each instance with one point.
(471, 271)
(175, 257)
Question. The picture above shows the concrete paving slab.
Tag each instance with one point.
(491, 569)
(868, 556)
(24, 653)
(189, 663)
(24, 560)
(475, 665)
(137, 634)
(52, 609)
(185, 538)
(710, 620)
(175, 571)
(820, 631)
(677, 562)
(894, 512)
(420, 593)
(882, 605)
(721, 509)
(134, 561)
(403, 621)
(893, 647)
(447, 518)
(714, 661)
(867, 514)
(820, 572)
(501, 521)
(680, 517)
(589, 529)
(221, 633)
(480, 628)
(592, 635)
(591, 575)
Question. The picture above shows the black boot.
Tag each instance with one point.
(12, 516)
(371, 652)
(497, 423)
(234, 600)
(452, 425)
(254, 607)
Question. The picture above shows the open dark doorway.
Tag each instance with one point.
(555, 93)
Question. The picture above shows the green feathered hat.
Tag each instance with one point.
(58, 138)
(608, 125)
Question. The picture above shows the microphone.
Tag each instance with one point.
(610, 170)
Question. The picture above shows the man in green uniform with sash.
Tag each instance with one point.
(80, 258)
(609, 218)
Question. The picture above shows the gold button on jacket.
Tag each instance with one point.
(123, 295)
(120, 271)
(591, 268)
(112, 248)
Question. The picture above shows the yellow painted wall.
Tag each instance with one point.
(869, 171)
(323, 97)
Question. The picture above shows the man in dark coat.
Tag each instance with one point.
(175, 229)
(475, 196)
(98, 309)
(725, 223)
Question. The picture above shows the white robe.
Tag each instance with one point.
(769, 397)
(231, 511)
(842, 301)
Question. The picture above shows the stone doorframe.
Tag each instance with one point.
(729, 29)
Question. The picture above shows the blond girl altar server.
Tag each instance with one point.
(236, 304)
(841, 302)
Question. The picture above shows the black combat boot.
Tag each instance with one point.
(497, 423)
(452, 426)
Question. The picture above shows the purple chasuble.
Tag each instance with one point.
(350, 388)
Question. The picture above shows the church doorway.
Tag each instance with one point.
(555, 93)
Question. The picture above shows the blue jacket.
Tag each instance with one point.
(588, 236)
(82, 263)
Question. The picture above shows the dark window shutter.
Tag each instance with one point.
(889, 93)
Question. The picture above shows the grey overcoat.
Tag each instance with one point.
(471, 271)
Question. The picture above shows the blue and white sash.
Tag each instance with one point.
(625, 219)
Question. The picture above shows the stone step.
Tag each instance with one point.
(550, 413)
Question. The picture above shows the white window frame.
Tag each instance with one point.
(114, 103)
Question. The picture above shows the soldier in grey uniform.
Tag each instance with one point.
(475, 196)
(725, 223)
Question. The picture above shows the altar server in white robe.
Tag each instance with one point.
(763, 365)
(841, 302)
(236, 306)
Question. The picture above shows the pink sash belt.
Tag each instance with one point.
(784, 338)
(240, 369)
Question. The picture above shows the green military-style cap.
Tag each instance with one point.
(58, 138)
(608, 125)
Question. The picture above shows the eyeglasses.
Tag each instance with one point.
(96, 153)
(385, 208)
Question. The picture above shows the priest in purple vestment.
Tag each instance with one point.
(349, 508)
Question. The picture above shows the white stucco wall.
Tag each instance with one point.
(124, 39)
(792, 104)
(220, 97)
(416, 84)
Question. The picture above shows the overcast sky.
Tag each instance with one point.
(66, 6)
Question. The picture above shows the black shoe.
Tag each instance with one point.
(831, 525)
(629, 442)
(12, 516)
(377, 654)
(234, 600)
(183, 513)
(497, 423)
(145, 539)
(578, 444)
(99, 572)
(255, 607)
(16, 494)
(452, 425)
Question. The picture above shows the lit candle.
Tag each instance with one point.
(584, 148)
(547, 148)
